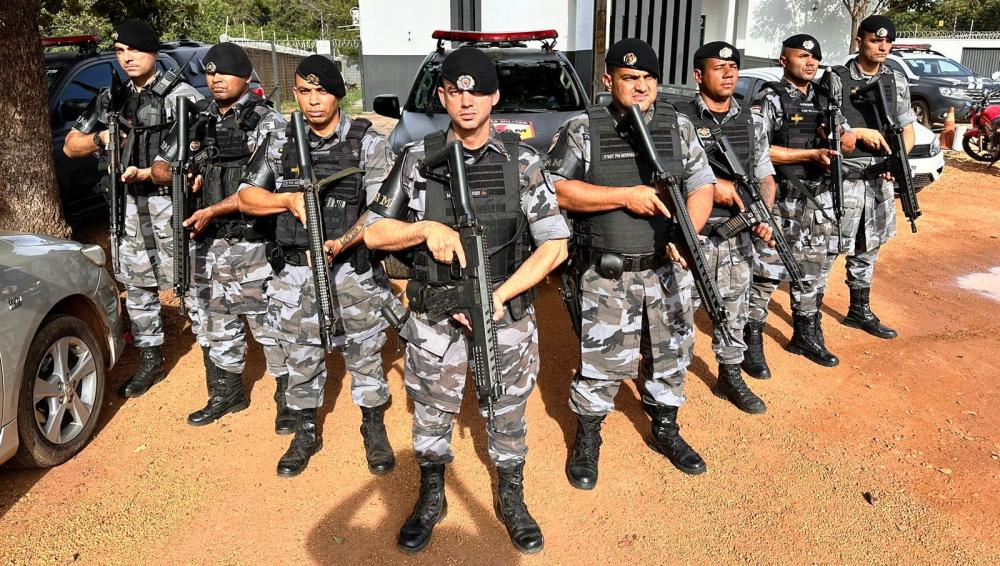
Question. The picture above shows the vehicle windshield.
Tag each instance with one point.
(525, 86)
(936, 68)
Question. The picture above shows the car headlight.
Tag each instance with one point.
(950, 92)
(95, 254)
(936, 146)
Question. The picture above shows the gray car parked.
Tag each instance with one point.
(60, 334)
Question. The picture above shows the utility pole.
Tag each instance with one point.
(600, 46)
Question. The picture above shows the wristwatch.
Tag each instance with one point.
(98, 141)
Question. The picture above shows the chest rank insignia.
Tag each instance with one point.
(704, 132)
(796, 118)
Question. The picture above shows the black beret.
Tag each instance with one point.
(138, 35)
(881, 26)
(320, 70)
(227, 59)
(471, 70)
(633, 54)
(805, 42)
(717, 50)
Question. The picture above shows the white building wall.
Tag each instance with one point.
(402, 28)
(572, 19)
(769, 22)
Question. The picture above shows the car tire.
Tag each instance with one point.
(82, 374)
(922, 112)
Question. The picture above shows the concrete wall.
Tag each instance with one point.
(769, 22)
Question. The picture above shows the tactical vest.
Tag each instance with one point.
(861, 113)
(342, 202)
(739, 131)
(800, 124)
(614, 163)
(495, 185)
(221, 158)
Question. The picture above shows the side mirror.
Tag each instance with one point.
(70, 110)
(996, 75)
(386, 105)
(602, 98)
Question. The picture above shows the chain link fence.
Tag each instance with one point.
(276, 60)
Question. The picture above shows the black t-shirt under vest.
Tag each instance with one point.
(495, 185)
(341, 202)
(862, 112)
(615, 163)
(801, 121)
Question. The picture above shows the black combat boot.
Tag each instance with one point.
(150, 373)
(306, 442)
(228, 397)
(378, 451)
(509, 506)
(860, 315)
(431, 508)
(731, 386)
(581, 469)
(285, 419)
(211, 371)
(806, 341)
(665, 438)
(754, 362)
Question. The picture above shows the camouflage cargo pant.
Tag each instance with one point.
(229, 279)
(293, 321)
(730, 260)
(869, 222)
(437, 361)
(808, 231)
(644, 315)
(145, 258)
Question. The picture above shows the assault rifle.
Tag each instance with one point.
(317, 232)
(757, 211)
(179, 198)
(118, 163)
(704, 279)
(899, 163)
(833, 93)
(474, 291)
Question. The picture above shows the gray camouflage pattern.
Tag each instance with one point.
(643, 321)
(731, 261)
(437, 361)
(293, 321)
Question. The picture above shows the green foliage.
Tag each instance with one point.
(980, 15)
(203, 20)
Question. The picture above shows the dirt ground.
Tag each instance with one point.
(892, 457)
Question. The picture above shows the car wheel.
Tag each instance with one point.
(922, 112)
(62, 390)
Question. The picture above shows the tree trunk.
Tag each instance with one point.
(855, 23)
(29, 195)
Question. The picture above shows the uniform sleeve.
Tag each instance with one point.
(697, 171)
(95, 117)
(768, 107)
(538, 199)
(377, 161)
(181, 89)
(271, 159)
(168, 148)
(271, 123)
(409, 177)
(904, 111)
(762, 149)
(569, 155)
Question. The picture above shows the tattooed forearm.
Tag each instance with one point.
(354, 234)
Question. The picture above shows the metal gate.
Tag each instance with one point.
(672, 27)
(982, 61)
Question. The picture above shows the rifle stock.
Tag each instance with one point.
(703, 278)
(317, 231)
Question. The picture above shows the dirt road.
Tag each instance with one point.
(892, 457)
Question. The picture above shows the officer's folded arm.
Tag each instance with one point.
(394, 235)
(258, 201)
(540, 263)
(579, 196)
(79, 144)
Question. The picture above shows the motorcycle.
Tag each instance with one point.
(982, 140)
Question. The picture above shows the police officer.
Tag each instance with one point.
(230, 262)
(146, 250)
(360, 286)
(716, 70)
(635, 308)
(527, 238)
(795, 114)
(870, 206)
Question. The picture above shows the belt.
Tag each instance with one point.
(630, 262)
(295, 257)
(871, 172)
(233, 232)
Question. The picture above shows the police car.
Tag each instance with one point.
(926, 159)
(539, 89)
